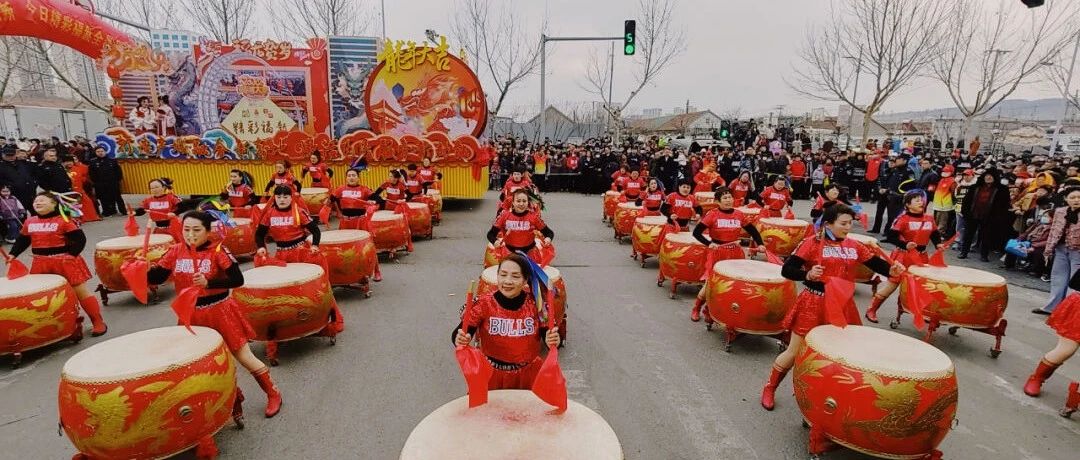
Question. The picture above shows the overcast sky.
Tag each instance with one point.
(738, 52)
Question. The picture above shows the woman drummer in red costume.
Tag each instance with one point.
(414, 184)
(428, 174)
(681, 206)
(633, 187)
(218, 272)
(832, 196)
(742, 188)
(515, 182)
(283, 176)
(239, 194)
(162, 205)
(1065, 320)
(912, 233)
(707, 179)
(511, 328)
(394, 189)
(776, 197)
(652, 198)
(289, 226)
(56, 241)
(519, 226)
(351, 201)
(815, 259)
(725, 225)
(320, 172)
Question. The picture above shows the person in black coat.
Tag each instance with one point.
(51, 175)
(19, 176)
(894, 184)
(986, 211)
(106, 175)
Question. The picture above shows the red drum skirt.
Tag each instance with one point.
(521, 379)
(301, 253)
(226, 318)
(72, 268)
(809, 312)
(1066, 318)
(351, 223)
(769, 212)
(726, 251)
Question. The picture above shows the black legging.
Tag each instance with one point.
(971, 227)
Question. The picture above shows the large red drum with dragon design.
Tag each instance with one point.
(350, 254)
(489, 284)
(647, 235)
(419, 219)
(110, 254)
(151, 394)
(390, 231)
(752, 214)
(285, 303)
(750, 296)
(546, 253)
(625, 215)
(315, 198)
(959, 295)
(682, 260)
(35, 311)
(781, 236)
(611, 201)
(863, 273)
(875, 391)
(707, 201)
(239, 239)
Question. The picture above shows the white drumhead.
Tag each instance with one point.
(490, 275)
(343, 236)
(384, 216)
(682, 238)
(141, 353)
(612, 193)
(416, 205)
(629, 206)
(310, 191)
(781, 222)
(514, 424)
(749, 211)
(132, 242)
(651, 220)
(749, 270)
(552, 273)
(957, 275)
(708, 196)
(880, 350)
(864, 239)
(29, 284)
(270, 277)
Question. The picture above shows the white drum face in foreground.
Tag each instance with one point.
(514, 424)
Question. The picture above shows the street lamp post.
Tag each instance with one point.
(1065, 93)
(854, 97)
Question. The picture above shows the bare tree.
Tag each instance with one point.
(986, 53)
(63, 64)
(155, 14)
(298, 20)
(887, 43)
(12, 50)
(224, 20)
(501, 43)
(1057, 73)
(659, 42)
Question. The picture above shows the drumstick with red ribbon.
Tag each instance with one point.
(938, 259)
(131, 228)
(549, 384)
(474, 365)
(134, 271)
(16, 269)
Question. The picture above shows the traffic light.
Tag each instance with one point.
(629, 37)
(725, 129)
(1032, 3)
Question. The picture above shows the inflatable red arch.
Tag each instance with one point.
(68, 22)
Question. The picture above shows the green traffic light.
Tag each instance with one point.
(629, 49)
(724, 133)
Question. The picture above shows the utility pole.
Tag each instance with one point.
(1065, 112)
(854, 97)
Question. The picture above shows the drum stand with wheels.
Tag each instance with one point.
(731, 334)
(641, 257)
(820, 444)
(364, 286)
(75, 337)
(932, 324)
(104, 292)
(674, 284)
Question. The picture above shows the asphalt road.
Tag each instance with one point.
(663, 383)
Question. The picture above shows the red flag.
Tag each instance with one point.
(710, 260)
(789, 214)
(474, 365)
(16, 269)
(324, 215)
(915, 299)
(938, 259)
(131, 228)
(134, 272)
(772, 257)
(864, 220)
(184, 305)
(820, 203)
(176, 229)
(839, 297)
(550, 385)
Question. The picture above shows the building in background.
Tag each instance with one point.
(169, 40)
(652, 112)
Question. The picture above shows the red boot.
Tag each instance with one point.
(273, 396)
(378, 274)
(768, 394)
(695, 314)
(238, 409)
(1033, 387)
(1072, 402)
(92, 308)
(871, 313)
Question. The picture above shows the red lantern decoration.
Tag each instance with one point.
(116, 92)
(118, 112)
(113, 72)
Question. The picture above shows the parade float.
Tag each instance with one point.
(247, 104)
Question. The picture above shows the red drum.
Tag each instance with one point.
(391, 231)
(753, 214)
(420, 220)
(749, 296)
(512, 423)
(707, 201)
(646, 236)
(151, 394)
(350, 254)
(625, 215)
(611, 201)
(285, 303)
(862, 273)
(781, 236)
(874, 391)
(545, 252)
(489, 284)
(960, 296)
(436, 201)
(239, 240)
(35, 311)
(110, 254)
(315, 198)
(682, 260)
